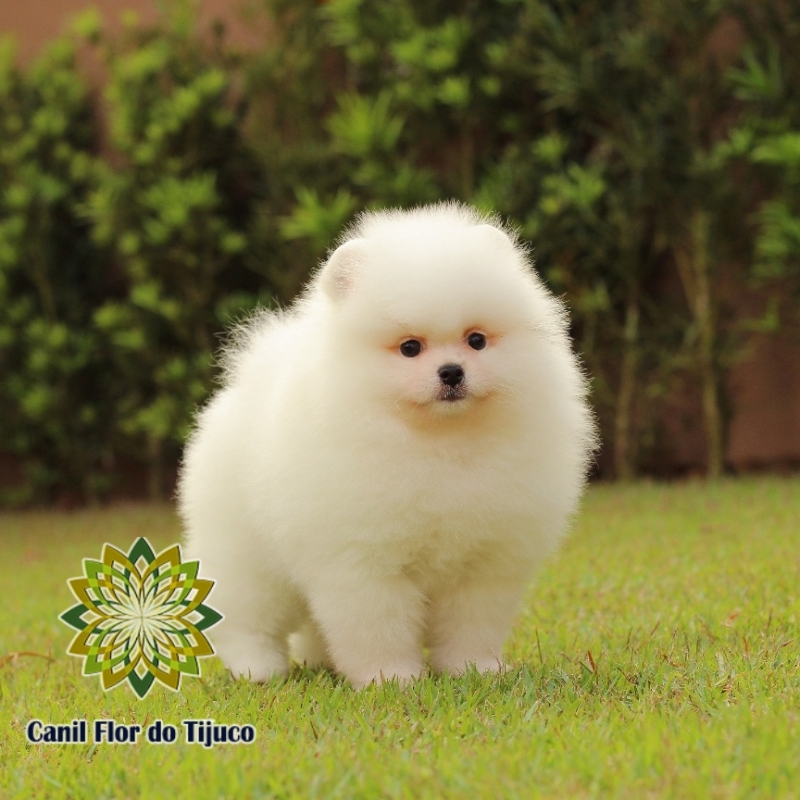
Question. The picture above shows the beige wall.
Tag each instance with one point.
(35, 22)
(765, 429)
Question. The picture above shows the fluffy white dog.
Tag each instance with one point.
(390, 459)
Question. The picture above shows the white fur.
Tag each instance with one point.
(337, 499)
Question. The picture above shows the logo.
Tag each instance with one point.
(140, 617)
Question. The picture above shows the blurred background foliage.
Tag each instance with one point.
(653, 165)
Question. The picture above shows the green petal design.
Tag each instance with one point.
(140, 617)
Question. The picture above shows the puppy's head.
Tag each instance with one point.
(435, 311)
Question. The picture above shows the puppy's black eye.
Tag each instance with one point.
(477, 341)
(411, 348)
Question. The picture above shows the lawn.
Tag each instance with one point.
(658, 656)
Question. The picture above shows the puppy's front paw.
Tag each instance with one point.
(458, 665)
(250, 657)
(258, 673)
(403, 674)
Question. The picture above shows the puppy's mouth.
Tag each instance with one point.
(452, 394)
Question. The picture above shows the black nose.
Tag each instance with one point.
(451, 374)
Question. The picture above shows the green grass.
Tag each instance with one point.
(686, 596)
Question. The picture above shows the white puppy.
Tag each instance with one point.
(389, 460)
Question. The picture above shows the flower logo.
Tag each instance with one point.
(140, 617)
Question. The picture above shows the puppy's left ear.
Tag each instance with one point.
(341, 270)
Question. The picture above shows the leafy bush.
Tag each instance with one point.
(767, 139)
(53, 416)
(613, 196)
(173, 212)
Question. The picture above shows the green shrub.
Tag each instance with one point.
(767, 140)
(53, 413)
(172, 210)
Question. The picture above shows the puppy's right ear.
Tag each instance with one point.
(340, 271)
(497, 236)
